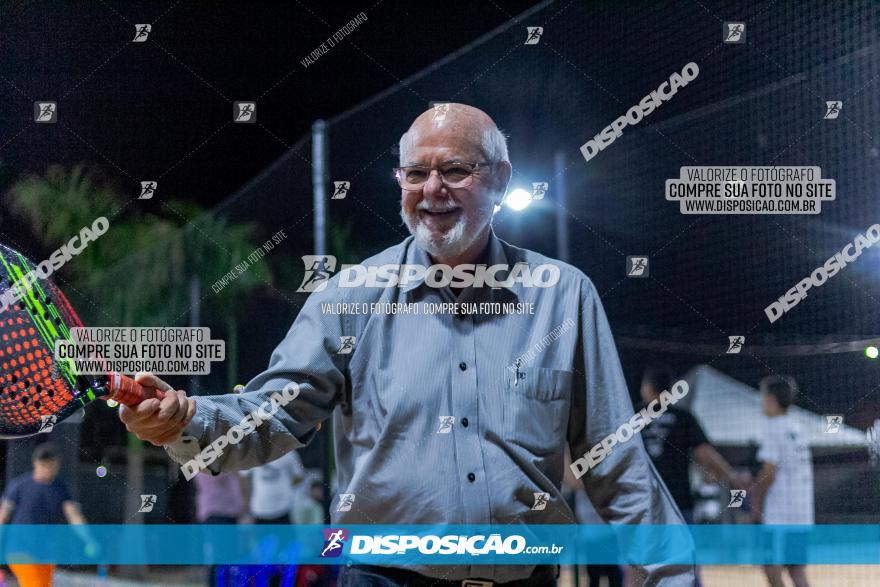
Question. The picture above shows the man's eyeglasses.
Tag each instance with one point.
(453, 175)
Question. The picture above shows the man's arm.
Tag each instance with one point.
(74, 516)
(306, 358)
(9, 501)
(762, 484)
(714, 464)
(709, 459)
(72, 513)
(624, 488)
(6, 507)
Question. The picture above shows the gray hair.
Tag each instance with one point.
(494, 145)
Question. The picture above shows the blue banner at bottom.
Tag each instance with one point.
(454, 545)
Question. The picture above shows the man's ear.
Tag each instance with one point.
(502, 174)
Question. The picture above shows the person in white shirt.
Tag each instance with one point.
(272, 489)
(309, 508)
(784, 487)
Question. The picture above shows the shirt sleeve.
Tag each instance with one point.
(63, 493)
(12, 491)
(307, 357)
(624, 487)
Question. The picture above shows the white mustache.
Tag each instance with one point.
(428, 208)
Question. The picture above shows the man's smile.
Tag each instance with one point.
(434, 217)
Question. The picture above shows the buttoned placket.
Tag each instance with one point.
(465, 405)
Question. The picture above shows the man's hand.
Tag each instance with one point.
(158, 421)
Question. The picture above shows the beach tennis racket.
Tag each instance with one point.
(36, 390)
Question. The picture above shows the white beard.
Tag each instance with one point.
(454, 241)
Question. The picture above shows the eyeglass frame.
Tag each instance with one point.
(477, 165)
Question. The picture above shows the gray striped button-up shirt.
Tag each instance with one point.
(397, 449)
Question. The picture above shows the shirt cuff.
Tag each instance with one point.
(187, 446)
(183, 450)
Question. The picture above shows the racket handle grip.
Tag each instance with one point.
(127, 391)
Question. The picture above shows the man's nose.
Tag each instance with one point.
(434, 185)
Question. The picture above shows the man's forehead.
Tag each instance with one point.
(443, 151)
(445, 144)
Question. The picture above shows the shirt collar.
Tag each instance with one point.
(495, 254)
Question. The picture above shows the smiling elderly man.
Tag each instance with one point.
(437, 418)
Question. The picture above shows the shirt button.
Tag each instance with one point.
(464, 422)
(472, 477)
(462, 366)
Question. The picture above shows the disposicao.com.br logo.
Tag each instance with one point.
(432, 544)
(319, 269)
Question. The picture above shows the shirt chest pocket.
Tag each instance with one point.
(534, 409)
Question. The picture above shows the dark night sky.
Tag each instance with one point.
(162, 109)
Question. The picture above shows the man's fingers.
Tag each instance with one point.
(182, 406)
(155, 427)
(190, 410)
(150, 380)
(138, 413)
(169, 407)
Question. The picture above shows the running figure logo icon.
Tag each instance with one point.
(734, 32)
(446, 423)
(346, 345)
(533, 34)
(539, 189)
(46, 112)
(147, 503)
(737, 497)
(244, 112)
(346, 500)
(148, 190)
(334, 540)
(440, 111)
(832, 109)
(141, 32)
(736, 344)
(636, 266)
(319, 268)
(341, 190)
(518, 374)
(541, 501)
(833, 422)
(47, 423)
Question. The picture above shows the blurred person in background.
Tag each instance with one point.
(271, 494)
(783, 492)
(40, 497)
(586, 515)
(309, 508)
(675, 438)
(219, 498)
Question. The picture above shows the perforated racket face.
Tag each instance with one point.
(36, 391)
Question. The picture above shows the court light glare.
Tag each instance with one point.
(518, 199)
(872, 352)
